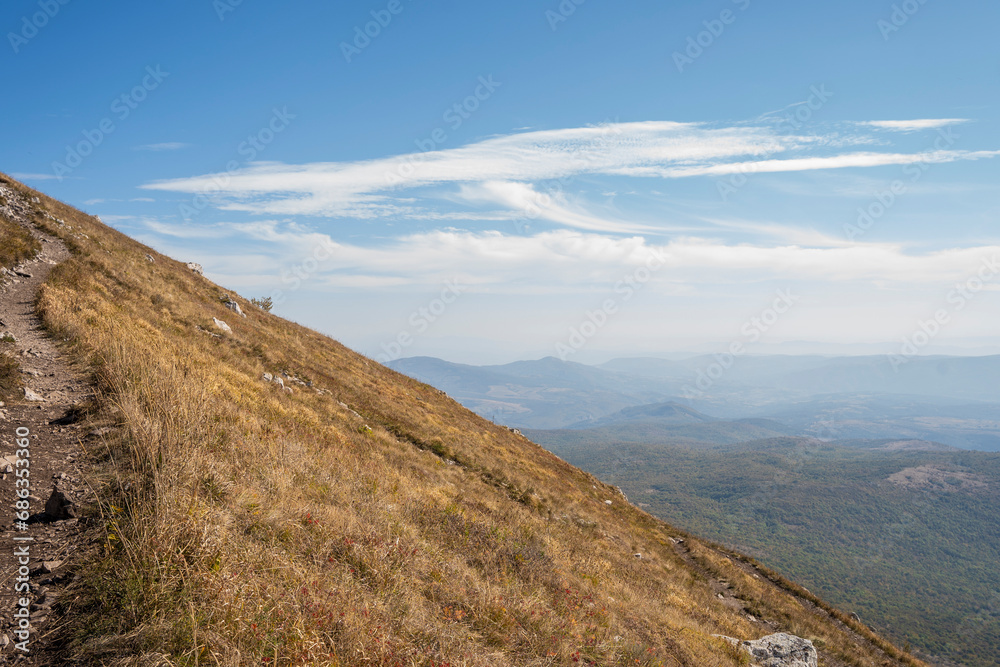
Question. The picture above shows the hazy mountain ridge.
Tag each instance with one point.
(553, 394)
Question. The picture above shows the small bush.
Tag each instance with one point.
(265, 303)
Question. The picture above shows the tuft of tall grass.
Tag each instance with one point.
(18, 245)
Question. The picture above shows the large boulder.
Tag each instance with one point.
(779, 650)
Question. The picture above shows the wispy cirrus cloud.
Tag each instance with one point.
(844, 161)
(166, 146)
(507, 172)
(914, 125)
(580, 261)
(22, 176)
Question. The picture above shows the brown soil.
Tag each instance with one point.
(56, 461)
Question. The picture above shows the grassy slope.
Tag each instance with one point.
(17, 244)
(920, 563)
(248, 526)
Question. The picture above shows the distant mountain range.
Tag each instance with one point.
(952, 400)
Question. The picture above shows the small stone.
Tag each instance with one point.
(608, 502)
(196, 268)
(222, 325)
(268, 377)
(58, 507)
(31, 396)
(149, 258)
(50, 566)
(289, 390)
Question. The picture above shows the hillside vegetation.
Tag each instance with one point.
(908, 539)
(365, 518)
(17, 246)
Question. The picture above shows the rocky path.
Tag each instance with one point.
(52, 536)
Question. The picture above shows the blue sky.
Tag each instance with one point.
(491, 181)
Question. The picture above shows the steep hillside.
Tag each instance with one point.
(349, 515)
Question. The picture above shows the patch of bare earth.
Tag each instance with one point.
(934, 478)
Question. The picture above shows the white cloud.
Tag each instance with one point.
(35, 177)
(914, 125)
(576, 258)
(166, 146)
(578, 261)
(368, 188)
(528, 204)
(508, 171)
(92, 202)
(845, 161)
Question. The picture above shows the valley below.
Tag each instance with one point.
(885, 502)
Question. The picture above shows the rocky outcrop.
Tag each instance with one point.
(231, 304)
(779, 650)
(196, 268)
(222, 326)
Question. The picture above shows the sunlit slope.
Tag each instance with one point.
(364, 518)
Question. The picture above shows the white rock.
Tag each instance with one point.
(32, 396)
(779, 650)
(235, 307)
(222, 325)
(196, 268)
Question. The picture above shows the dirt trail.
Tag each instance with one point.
(56, 458)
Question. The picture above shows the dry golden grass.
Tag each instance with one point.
(247, 526)
(16, 244)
